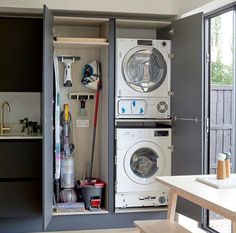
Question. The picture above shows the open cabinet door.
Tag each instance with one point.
(187, 102)
(47, 116)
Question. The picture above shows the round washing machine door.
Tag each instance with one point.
(144, 69)
(143, 162)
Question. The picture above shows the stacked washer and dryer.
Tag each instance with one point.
(142, 94)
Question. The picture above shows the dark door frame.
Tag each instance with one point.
(207, 47)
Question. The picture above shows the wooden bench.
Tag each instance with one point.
(160, 226)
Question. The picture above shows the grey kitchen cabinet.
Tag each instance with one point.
(21, 54)
(20, 178)
(187, 68)
(20, 198)
(21, 159)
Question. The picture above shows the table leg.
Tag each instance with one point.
(233, 227)
(172, 205)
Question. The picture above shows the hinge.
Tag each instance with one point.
(170, 93)
(207, 57)
(171, 147)
(116, 186)
(172, 31)
(171, 55)
(115, 134)
(115, 159)
(207, 125)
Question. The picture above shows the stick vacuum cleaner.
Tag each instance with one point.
(68, 60)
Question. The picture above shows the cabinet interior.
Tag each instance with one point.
(85, 31)
(139, 29)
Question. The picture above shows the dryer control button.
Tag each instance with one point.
(162, 199)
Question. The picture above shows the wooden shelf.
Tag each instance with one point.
(67, 42)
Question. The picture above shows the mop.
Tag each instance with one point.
(94, 129)
(92, 80)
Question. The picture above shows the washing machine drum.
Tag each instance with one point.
(143, 162)
(144, 69)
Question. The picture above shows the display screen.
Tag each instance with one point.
(161, 133)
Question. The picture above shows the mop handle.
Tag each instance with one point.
(96, 104)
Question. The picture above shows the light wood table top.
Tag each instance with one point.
(221, 201)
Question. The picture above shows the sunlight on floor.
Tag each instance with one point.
(189, 224)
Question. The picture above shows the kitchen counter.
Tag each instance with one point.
(8, 136)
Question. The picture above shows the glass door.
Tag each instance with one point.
(221, 99)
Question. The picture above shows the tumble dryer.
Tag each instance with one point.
(143, 78)
(142, 154)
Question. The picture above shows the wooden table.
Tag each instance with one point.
(221, 201)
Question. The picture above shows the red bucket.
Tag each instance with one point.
(91, 193)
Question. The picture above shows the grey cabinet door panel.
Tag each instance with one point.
(187, 67)
(47, 116)
(20, 199)
(21, 159)
(187, 102)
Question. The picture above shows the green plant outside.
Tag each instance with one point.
(221, 74)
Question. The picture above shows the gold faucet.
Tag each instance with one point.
(2, 127)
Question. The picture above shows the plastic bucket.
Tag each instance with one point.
(91, 194)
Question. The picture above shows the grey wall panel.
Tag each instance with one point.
(136, 33)
(111, 114)
(187, 102)
(47, 116)
(100, 221)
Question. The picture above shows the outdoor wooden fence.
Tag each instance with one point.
(220, 122)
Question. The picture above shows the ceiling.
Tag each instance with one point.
(156, 7)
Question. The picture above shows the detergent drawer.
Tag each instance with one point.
(20, 158)
(20, 198)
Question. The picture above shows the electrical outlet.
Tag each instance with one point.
(82, 123)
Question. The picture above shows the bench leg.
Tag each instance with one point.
(233, 227)
(172, 205)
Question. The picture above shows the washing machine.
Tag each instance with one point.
(143, 78)
(142, 155)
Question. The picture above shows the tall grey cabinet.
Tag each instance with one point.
(187, 123)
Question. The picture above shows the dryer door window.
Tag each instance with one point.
(144, 69)
(144, 161)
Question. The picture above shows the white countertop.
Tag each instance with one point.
(20, 136)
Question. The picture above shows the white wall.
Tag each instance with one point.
(21, 105)
(165, 7)
(209, 7)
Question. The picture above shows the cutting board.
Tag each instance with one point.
(211, 180)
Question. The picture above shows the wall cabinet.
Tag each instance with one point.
(21, 54)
